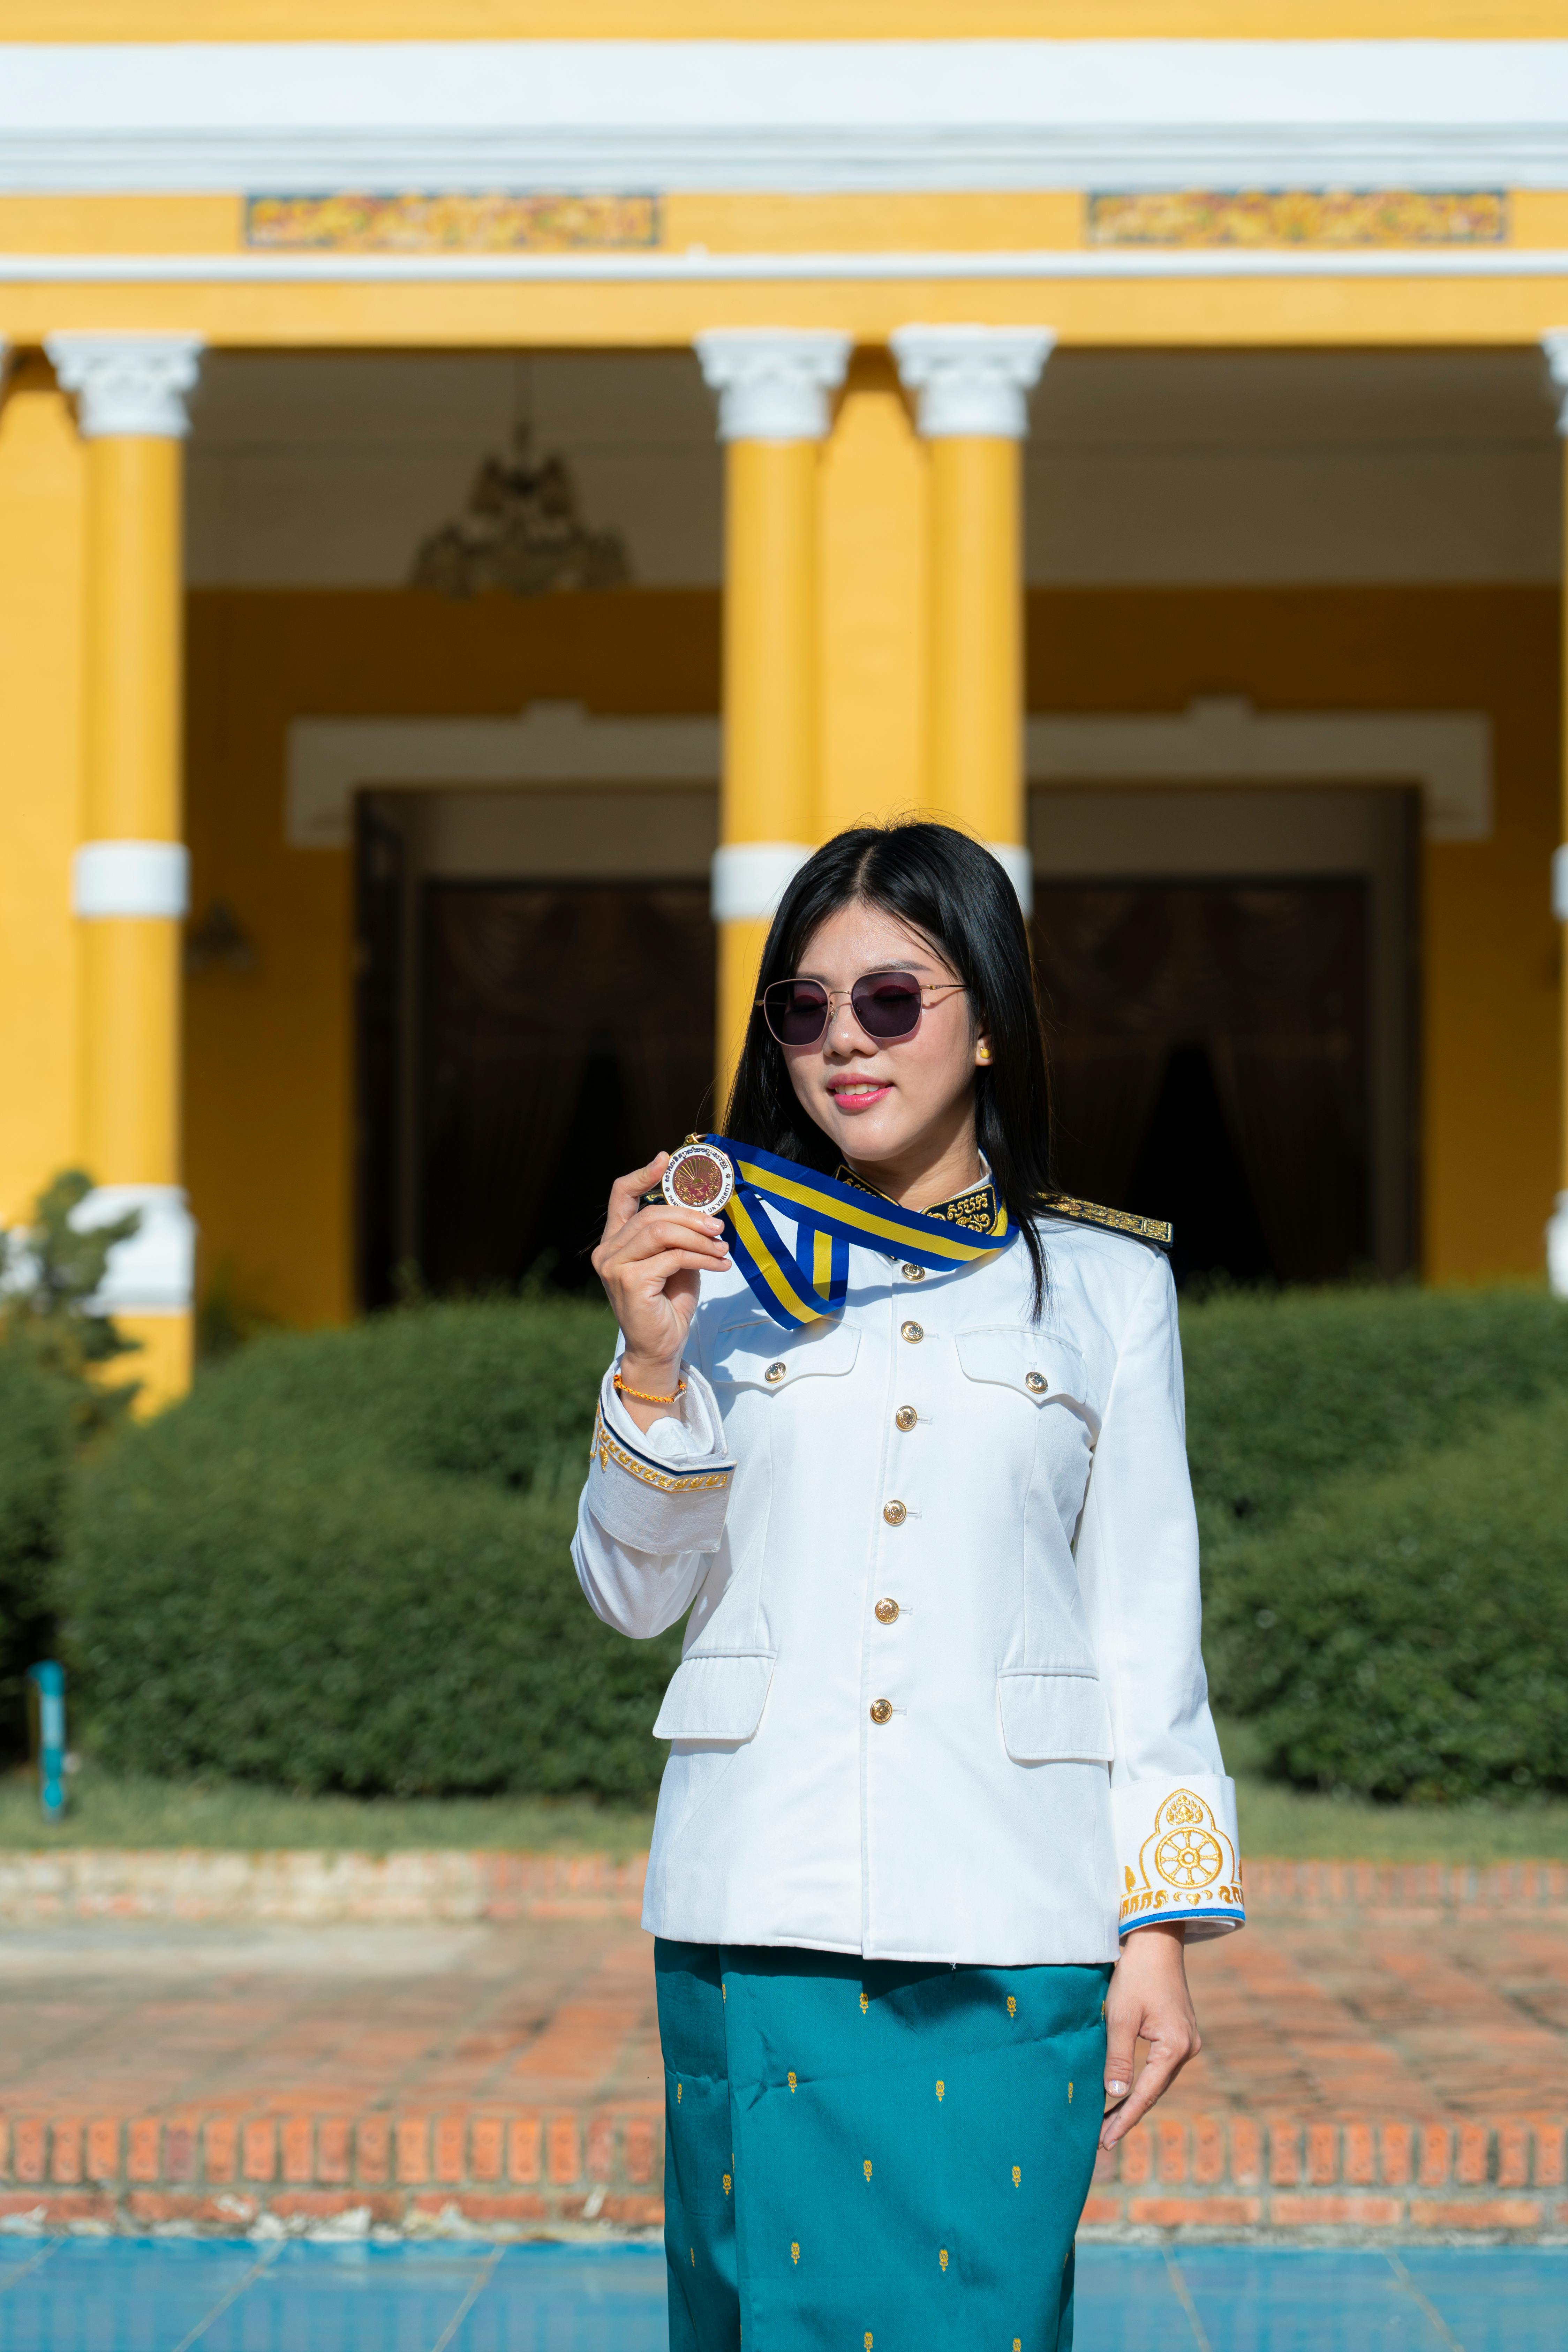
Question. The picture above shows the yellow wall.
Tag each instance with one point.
(452, 20)
(42, 537)
(269, 1079)
(270, 1076)
(1489, 950)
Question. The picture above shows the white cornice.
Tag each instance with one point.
(131, 384)
(780, 115)
(1221, 740)
(972, 380)
(1447, 754)
(1554, 344)
(773, 382)
(549, 743)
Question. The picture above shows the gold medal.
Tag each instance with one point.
(698, 1176)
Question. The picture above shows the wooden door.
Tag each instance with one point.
(567, 1034)
(1209, 1065)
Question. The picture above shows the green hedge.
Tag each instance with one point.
(1287, 1390)
(1345, 1445)
(1405, 1634)
(37, 1440)
(341, 1564)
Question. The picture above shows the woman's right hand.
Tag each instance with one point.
(651, 1262)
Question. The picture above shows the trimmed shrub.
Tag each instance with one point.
(1405, 1634)
(1286, 1390)
(341, 1564)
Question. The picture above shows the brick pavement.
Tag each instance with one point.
(1384, 2051)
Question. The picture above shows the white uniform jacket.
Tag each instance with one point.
(942, 1696)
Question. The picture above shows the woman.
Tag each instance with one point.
(939, 1732)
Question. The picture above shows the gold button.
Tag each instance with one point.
(911, 1331)
(1036, 1380)
(895, 1513)
(881, 1710)
(905, 1416)
(913, 1273)
(775, 1372)
(886, 1610)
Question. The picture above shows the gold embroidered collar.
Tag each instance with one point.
(975, 1210)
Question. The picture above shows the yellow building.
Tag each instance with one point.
(484, 487)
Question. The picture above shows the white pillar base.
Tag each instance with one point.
(153, 1273)
(1014, 856)
(750, 878)
(148, 879)
(1557, 1248)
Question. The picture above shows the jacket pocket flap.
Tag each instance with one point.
(1053, 1719)
(1038, 1365)
(716, 1695)
(757, 1354)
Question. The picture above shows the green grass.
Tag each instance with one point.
(107, 1811)
(1291, 1825)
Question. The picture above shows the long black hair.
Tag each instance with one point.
(947, 887)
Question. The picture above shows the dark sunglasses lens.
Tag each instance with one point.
(887, 1004)
(795, 1011)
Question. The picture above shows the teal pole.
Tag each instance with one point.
(49, 1681)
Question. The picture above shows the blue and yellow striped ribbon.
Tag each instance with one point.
(803, 1284)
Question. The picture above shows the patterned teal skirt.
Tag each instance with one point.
(874, 2155)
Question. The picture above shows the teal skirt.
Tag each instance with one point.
(874, 2155)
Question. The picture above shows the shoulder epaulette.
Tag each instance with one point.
(1115, 1221)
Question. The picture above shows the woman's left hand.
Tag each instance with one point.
(1148, 2001)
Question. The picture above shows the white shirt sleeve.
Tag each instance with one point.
(652, 1512)
(1174, 1810)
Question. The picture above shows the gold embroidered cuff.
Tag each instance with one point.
(607, 1449)
(1178, 1857)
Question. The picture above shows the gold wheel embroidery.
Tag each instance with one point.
(1189, 1858)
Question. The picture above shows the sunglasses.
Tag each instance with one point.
(887, 1005)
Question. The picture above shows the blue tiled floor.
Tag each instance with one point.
(116, 2295)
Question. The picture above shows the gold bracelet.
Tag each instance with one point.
(645, 1396)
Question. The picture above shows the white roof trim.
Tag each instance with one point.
(780, 115)
(696, 266)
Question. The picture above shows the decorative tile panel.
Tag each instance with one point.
(1277, 216)
(454, 223)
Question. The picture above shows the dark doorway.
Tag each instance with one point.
(564, 1034)
(1209, 1051)
(380, 987)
